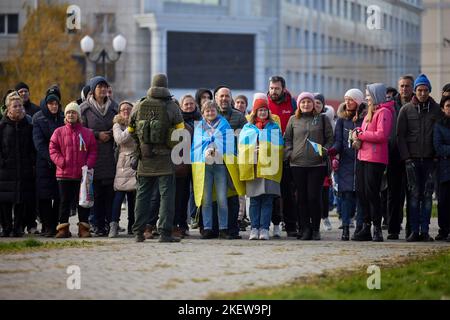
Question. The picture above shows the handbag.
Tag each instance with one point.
(86, 199)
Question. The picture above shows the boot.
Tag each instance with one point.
(345, 233)
(364, 234)
(83, 230)
(357, 230)
(63, 231)
(413, 237)
(377, 234)
(148, 232)
(51, 232)
(425, 237)
(113, 229)
(316, 235)
(306, 234)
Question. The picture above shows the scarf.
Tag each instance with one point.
(103, 109)
(260, 123)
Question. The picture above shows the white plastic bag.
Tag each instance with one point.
(86, 188)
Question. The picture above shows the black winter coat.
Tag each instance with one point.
(44, 124)
(17, 159)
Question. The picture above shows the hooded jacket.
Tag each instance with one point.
(375, 135)
(347, 155)
(44, 124)
(125, 179)
(17, 160)
(415, 126)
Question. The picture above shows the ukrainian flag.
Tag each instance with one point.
(318, 148)
(270, 155)
(223, 138)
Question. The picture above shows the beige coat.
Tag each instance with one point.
(125, 179)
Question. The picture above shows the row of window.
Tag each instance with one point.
(328, 85)
(358, 13)
(9, 23)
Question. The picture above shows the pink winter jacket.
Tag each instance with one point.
(375, 135)
(66, 153)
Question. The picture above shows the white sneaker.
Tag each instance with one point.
(276, 231)
(264, 234)
(254, 234)
(327, 224)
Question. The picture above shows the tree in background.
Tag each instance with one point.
(44, 55)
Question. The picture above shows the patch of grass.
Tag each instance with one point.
(33, 244)
(426, 277)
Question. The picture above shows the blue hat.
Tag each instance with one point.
(422, 80)
(95, 81)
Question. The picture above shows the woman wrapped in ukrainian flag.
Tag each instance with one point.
(214, 168)
(260, 165)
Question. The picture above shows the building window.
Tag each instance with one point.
(306, 39)
(105, 23)
(203, 2)
(298, 40)
(345, 15)
(288, 36)
(315, 44)
(110, 71)
(9, 23)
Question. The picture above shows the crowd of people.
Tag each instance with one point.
(214, 162)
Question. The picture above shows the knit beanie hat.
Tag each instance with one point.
(54, 89)
(356, 95)
(259, 101)
(51, 97)
(160, 80)
(320, 97)
(21, 85)
(73, 106)
(422, 80)
(95, 81)
(305, 95)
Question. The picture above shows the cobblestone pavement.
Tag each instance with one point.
(192, 269)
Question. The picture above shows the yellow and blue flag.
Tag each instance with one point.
(222, 136)
(317, 147)
(269, 157)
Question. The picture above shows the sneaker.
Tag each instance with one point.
(254, 234)
(327, 224)
(276, 231)
(33, 230)
(113, 230)
(264, 234)
(413, 237)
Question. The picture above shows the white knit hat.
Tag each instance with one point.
(73, 106)
(356, 95)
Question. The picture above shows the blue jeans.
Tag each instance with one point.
(419, 175)
(117, 205)
(261, 211)
(215, 175)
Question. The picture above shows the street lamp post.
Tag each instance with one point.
(87, 46)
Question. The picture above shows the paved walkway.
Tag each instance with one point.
(192, 269)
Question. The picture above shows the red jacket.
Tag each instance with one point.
(375, 135)
(283, 110)
(66, 153)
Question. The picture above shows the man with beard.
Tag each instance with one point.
(283, 105)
